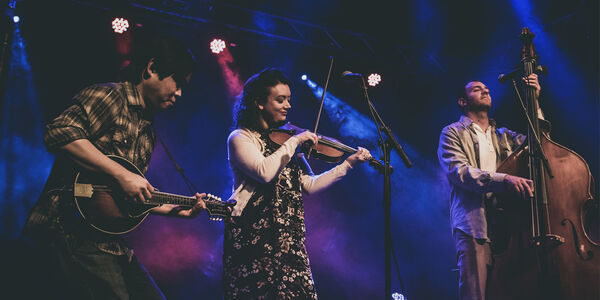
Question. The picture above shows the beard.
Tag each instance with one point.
(476, 107)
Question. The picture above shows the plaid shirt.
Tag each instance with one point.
(112, 118)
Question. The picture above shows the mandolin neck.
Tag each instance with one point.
(166, 198)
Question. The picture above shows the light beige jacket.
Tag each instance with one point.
(458, 154)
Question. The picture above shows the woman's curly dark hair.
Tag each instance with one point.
(256, 90)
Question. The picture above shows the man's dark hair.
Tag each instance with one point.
(256, 90)
(169, 55)
(462, 93)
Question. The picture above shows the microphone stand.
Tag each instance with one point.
(533, 133)
(386, 147)
(4, 55)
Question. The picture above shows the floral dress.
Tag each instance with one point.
(264, 249)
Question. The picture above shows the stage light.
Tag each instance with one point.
(374, 79)
(304, 77)
(16, 19)
(120, 25)
(217, 46)
(398, 296)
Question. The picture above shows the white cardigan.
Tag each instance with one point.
(248, 164)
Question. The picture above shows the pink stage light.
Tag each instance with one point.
(374, 79)
(120, 25)
(217, 46)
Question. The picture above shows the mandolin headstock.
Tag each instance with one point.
(217, 209)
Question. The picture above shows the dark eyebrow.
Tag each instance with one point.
(180, 80)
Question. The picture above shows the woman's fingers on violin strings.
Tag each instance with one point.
(360, 154)
(308, 136)
(364, 154)
(311, 137)
(314, 138)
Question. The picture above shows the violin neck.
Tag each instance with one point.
(349, 150)
(337, 145)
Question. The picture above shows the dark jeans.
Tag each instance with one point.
(79, 270)
(474, 261)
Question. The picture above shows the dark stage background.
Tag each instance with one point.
(424, 50)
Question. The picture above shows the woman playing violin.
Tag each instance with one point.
(264, 247)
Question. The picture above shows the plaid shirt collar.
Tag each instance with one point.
(132, 95)
(136, 102)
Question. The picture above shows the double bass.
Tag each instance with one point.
(540, 247)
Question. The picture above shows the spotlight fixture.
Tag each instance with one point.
(398, 296)
(16, 19)
(374, 79)
(217, 46)
(120, 25)
(303, 77)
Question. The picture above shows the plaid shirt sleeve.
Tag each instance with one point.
(93, 111)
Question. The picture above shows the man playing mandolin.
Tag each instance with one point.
(107, 119)
(469, 152)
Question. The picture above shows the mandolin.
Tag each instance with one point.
(104, 205)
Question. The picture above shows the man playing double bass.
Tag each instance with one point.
(469, 152)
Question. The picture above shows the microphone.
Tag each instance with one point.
(350, 75)
(502, 78)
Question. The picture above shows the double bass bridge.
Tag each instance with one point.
(548, 241)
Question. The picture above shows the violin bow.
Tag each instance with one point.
(323, 97)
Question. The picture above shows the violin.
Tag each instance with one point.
(327, 149)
